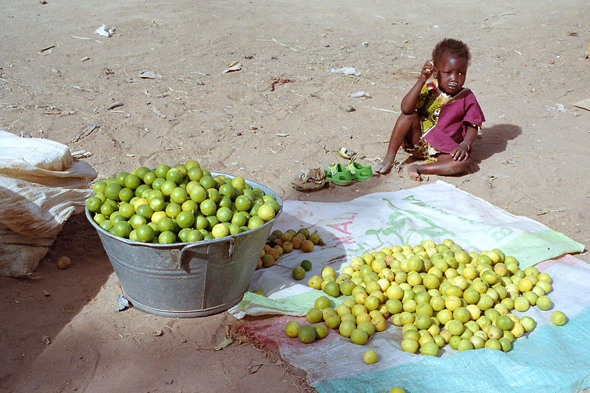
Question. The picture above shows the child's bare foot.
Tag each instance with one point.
(384, 167)
(413, 172)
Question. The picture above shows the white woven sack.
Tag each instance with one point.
(41, 186)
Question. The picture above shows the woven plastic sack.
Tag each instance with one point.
(41, 186)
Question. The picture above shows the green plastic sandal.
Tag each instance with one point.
(338, 174)
(359, 172)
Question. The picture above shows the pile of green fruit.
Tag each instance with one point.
(182, 203)
(438, 293)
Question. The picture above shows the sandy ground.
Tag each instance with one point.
(281, 113)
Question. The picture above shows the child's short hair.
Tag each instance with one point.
(451, 46)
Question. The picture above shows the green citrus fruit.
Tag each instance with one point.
(112, 191)
(144, 233)
(224, 214)
(178, 195)
(93, 204)
(185, 219)
(175, 175)
(322, 302)
(194, 236)
(167, 237)
(243, 203)
(122, 229)
(306, 264)
(173, 209)
(292, 328)
(137, 220)
(255, 222)
(306, 334)
(298, 273)
(132, 181)
(99, 186)
(149, 177)
(207, 182)
(208, 207)
(120, 178)
(198, 194)
(195, 173)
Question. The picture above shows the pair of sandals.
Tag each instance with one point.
(344, 175)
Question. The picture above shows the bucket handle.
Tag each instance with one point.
(231, 242)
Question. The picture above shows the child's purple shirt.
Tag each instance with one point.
(451, 126)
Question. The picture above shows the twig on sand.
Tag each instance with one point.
(502, 14)
(380, 109)
(286, 46)
(87, 131)
(545, 211)
(534, 199)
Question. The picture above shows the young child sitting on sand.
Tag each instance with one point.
(440, 119)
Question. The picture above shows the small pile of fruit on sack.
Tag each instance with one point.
(179, 203)
(279, 243)
(438, 293)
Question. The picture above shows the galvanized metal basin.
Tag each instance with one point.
(187, 279)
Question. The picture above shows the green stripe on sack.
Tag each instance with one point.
(532, 248)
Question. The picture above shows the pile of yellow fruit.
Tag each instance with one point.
(438, 293)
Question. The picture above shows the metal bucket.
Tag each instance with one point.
(187, 279)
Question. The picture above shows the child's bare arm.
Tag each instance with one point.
(408, 105)
(461, 152)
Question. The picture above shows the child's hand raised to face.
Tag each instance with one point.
(427, 70)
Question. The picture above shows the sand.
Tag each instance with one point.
(247, 88)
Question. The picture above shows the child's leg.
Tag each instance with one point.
(445, 165)
(407, 127)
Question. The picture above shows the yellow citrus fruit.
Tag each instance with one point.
(544, 303)
(359, 337)
(331, 288)
(292, 328)
(370, 357)
(314, 315)
(315, 282)
(558, 318)
(528, 323)
(504, 322)
(332, 321)
(465, 345)
(346, 328)
(219, 230)
(266, 212)
(322, 302)
(453, 302)
(429, 349)
(521, 304)
(525, 284)
(321, 331)
(493, 343)
(397, 389)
